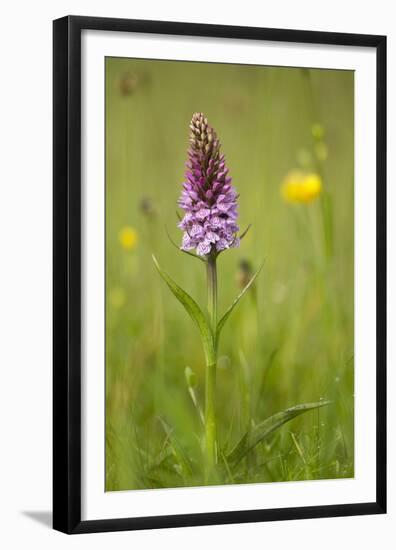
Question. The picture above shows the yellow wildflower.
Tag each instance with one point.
(128, 237)
(301, 186)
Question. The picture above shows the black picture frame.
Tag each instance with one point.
(67, 273)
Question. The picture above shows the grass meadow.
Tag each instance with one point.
(290, 340)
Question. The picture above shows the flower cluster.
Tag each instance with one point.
(208, 198)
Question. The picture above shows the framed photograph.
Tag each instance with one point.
(219, 274)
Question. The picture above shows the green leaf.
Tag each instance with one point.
(264, 429)
(222, 321)
(195, 313)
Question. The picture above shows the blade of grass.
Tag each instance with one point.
(178, 451)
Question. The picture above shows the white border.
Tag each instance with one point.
(96, 504)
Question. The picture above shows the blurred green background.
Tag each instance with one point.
(290, 340)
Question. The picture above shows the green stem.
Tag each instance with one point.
(212, 291)
(210, 411)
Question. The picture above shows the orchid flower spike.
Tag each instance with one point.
(208, 198)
